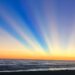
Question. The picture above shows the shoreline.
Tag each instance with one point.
(40, 69)
(40, 73)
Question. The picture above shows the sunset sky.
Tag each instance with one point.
(37, 29)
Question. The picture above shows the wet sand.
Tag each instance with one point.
(66, 72)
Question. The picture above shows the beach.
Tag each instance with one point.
(65, 72)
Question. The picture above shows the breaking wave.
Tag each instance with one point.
(50, 69)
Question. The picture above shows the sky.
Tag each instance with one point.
(37, 29)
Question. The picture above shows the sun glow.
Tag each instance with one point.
(37, 30)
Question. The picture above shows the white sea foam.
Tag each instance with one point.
(50, 69)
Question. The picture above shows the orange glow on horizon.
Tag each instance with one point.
(35, 57)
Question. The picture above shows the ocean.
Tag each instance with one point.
(35, 65)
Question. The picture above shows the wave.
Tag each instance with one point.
(50, 69)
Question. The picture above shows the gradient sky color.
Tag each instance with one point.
(37, 29)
